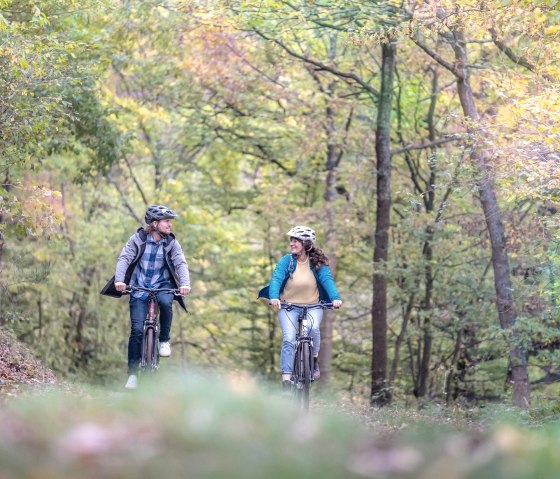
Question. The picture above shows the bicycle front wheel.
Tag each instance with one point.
(306, 372)
(149, 350)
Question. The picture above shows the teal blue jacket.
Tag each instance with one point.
(285, 269)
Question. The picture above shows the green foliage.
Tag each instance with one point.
(117, 106)
(49, 77)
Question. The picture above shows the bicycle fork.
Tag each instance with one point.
(304, 339)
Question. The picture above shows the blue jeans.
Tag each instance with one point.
(289, 323)
(138, 313)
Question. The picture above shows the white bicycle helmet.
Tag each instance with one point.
(302, 233)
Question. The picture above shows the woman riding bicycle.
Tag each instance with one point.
(301, 277)
(152, 258)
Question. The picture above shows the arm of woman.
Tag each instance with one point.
(278, 276)
(327, 282)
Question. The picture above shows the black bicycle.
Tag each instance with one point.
(302, 371)
(149, 361)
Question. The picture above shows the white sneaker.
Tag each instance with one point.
(132, 382)
(164, 349)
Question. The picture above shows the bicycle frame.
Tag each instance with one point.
(302, 371)
(150, 332)
(150, 337)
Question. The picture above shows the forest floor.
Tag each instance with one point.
(236, 428)
(22, 374)
(20, 370)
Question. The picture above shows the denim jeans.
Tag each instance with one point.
(138, 313)
(289, 323)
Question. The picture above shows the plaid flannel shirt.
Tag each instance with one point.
(151, 271)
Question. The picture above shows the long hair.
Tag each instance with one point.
(316, 256)
(148, 228)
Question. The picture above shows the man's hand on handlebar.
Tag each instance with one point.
(123, 288)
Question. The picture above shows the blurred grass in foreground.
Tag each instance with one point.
(188, 427)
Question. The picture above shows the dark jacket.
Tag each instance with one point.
(131, 254)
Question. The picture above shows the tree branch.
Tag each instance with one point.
(438, 58)
(321, 66)
(518, 60)
(135, 181)
(423, 146)
(109, 177)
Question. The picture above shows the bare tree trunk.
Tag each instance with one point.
(6, 186)
(333, 158)
(427, 253)
(380, 392)
(500, 262)
(452, 367)
(335, 152)
(40, 316)
(400, 338)
(426, 353)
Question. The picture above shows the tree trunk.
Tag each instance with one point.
(325, 354)
(500, 263)
(400, 338)
(424, 367)
(427, 253)
(380, 392)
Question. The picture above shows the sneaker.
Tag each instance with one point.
(286, 385)
(132, 382)
(316, 371)
(164, 349)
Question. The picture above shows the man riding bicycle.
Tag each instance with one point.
(151, 258)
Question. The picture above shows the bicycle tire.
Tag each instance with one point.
(296, 376)
(306, 375)
(148, 348)
(155, 356)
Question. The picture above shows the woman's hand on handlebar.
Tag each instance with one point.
(120, 286)
(275, 303)
(337, 303)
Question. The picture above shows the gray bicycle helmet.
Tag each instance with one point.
(302, 233)
(158, 213)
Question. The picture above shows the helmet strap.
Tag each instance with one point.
(161, 233)
(157, 230)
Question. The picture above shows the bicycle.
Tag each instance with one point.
(302, 371)
(149, 361)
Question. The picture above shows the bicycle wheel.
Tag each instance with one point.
(155, 355)
(296, 377)
(148, 348)
(305, 374)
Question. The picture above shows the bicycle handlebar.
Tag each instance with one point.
(321, 305)
(129, 289)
